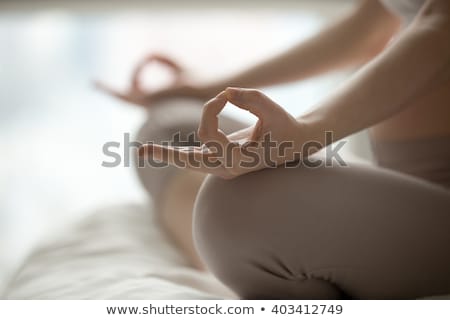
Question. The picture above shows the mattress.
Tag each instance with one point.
(115, 253)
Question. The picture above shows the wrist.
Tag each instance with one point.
(312, 134)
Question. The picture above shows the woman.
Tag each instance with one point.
(329, 232)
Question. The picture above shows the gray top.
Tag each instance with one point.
(407, 9)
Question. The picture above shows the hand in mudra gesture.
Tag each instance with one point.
(243, 151)
(180, 86)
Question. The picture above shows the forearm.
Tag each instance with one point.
(351, 41)
(386, 85)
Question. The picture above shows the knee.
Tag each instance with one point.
(236, 216)
(219, 219)
(243, 245)
(234, 229)
(222, 228)
(241, 208)
(250, 230)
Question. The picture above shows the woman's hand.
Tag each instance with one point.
(273, 140)
(180, 87)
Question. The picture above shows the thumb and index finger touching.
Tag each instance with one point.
(251, 100)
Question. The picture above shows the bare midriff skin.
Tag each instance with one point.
(401, 93)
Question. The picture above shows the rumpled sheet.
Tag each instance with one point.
(115, 253)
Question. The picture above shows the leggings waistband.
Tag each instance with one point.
(427, 158)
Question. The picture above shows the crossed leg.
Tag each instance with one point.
(325, 233)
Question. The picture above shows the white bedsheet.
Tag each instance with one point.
(116, 253)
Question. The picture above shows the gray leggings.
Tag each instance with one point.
(326, 233)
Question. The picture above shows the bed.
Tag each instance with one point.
(114, 253)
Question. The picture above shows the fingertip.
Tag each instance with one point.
(232, 92)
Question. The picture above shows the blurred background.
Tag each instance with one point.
(53, 123)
